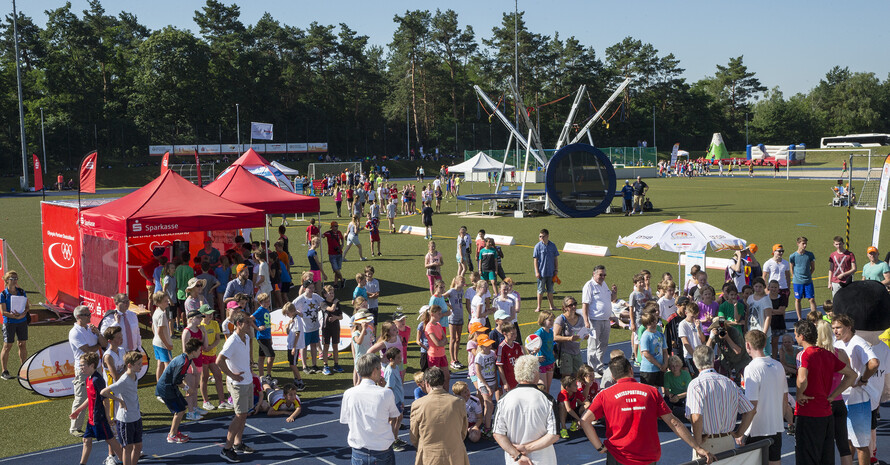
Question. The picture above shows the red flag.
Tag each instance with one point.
(38, 173)
(88, 174)
(198, 165)
(165, 163)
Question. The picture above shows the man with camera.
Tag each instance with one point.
(730, 348)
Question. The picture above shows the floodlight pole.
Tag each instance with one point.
(43, 140)
(18, 77)
(238, 124)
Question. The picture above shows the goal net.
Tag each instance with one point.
(857, 169)
(317, 170)
(190, 171)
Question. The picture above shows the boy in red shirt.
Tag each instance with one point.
(311, 231)
(373, 227)
(508, 352)
(97, 419)
(571, 403)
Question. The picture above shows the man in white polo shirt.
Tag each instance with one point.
(234, 361)
(524, 423)
(83, 337)
(596, 301)
(369, 410)
(766, 388)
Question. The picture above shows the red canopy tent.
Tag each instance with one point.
(118, 237)
(261, 167)
(239, 185)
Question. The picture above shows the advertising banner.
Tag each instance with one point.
(693, 258)
(298, 148)
(318, 147)
(50, 371)
(230, 149)
(61, 254)
(159, 150)
(882, 201)
(279, 331)
(276, 148)
(211, 149)
(258, 148)
(184, 149)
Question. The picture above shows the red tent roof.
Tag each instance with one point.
(239, 185)
(169, 204)
(250, 158)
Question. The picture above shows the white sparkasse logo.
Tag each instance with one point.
(89, 165)
(84, 222)
(137, 227)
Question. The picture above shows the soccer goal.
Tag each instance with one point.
(190, 171)
(317, 170)
(857, 169)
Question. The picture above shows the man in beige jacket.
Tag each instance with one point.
(439, 424)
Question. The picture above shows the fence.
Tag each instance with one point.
(626, 156)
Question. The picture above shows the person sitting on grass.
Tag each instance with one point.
(97, 418)
(571, 404)
(474, 410)
(585, 379)
(168, 386)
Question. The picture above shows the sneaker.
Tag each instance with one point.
(111, 460)
(326, 371)
(5, 375)
(201, 411)
(398, 445)
(179, 438)
(563, 433)
(243, 449)
(211, 380)
(299, 384)
(453, 365)
(160, 399)
(229, 455)
(224, 406)
(315, 369)
(193, 416)
(206, 406)
(574, 426)
(77, 434)
(338, 369)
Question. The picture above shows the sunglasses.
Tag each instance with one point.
(83, 315)
(780, 251)
(573, 304)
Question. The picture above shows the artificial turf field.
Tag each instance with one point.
(763, 211)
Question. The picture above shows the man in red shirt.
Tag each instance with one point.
(631, 410)
(841, 266)
(814, 421)
(147, 271)
(335, 252)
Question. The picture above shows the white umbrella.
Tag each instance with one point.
(679, 235)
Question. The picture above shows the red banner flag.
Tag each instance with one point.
(165, 163)
(198, 166)
(88, 174)
(38, 174)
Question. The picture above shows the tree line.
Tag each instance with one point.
(110, 83)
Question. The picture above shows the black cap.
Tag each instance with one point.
(682, 300)
(195, 313)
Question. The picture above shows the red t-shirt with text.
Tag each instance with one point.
(507, 356)
(631, 410)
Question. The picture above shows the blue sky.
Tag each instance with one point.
(789, 44)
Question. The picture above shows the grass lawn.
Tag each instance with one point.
(764, 211)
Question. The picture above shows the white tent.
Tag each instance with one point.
(285, 170)
(481, 163)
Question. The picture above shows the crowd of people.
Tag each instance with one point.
(721, 363)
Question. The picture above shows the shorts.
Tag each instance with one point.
(13, 331)
(196, 365)
(265, 346)
(374, 313)
(456, 319)
(459, 258)
(129, 433)
(424, 362)
(491, 276)
(292, 358)
(100, 432)
(311, 337)
(484, 389)
(545, 284)
(775, 449)
(802, 291)
(316, 275)
(331, 334)
(336, 262)
(859, 424)
(428, 224)
(353, 239)
(162, 354)
(242, 397)
(545, 368)
(569, 364)
(207, 359)
(440, 362)
(175, 403)
(375, 236)
(777, 325)
(652, 378)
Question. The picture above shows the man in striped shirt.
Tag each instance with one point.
(713, 402)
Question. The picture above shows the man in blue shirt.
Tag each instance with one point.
(627, 192)
(803, 263)
(546, 267)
